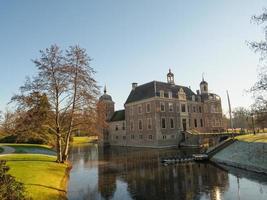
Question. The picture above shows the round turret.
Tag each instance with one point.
(105, 96)
(204, 86)
(108, 103)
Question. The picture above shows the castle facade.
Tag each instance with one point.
(157, 114)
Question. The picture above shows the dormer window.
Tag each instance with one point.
(170, 95)
(161, 94)
(140, 109)
(193, 98)
(181, 94)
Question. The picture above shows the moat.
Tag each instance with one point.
(135, 173)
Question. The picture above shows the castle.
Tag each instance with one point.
(157, 114)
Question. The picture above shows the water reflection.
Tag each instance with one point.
(125, 173)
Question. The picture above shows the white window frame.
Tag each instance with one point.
(140, 109)
(164, 105)
(171, 118)
(170, 107)
(131, 125)
(149, 120)
(148, 104)
(140, 120)
(161, 93)
(161, 122)
(170, 94)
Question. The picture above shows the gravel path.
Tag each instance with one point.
(7, 150)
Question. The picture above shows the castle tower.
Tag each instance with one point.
(170, 77)
(204, 86)
(109, 104)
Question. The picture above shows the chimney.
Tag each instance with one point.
(134, 85)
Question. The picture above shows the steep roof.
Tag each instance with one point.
(118, 116)
(153, 89)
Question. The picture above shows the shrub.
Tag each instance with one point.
(10, 189)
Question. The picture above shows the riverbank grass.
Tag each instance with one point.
(44, 179)
(253, 138)
(83, 139)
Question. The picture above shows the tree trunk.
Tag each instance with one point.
(67, 141)
(59, 148)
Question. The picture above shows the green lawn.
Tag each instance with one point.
(253, 138)
(44, 179)
(83, 139)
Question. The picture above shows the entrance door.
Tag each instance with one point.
(184, 124)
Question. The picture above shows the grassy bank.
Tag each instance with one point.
(253, 138)
(44, 179)
(35, 166)
(83, 139)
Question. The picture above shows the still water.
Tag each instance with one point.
(127, 173)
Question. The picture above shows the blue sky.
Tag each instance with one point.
(136, 41)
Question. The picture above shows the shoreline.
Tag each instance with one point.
(251, 156)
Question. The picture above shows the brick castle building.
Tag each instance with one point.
(157, 114)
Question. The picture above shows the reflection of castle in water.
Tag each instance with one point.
(146, 178)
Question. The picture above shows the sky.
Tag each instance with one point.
(137, 41)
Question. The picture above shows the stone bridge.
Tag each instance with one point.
(191, 139)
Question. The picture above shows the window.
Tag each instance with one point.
(117, 137)
(173, 136)
(183, 108)
(171, 107)
(123, 126)
(172, 123)
(124, 137)
(170, 95)
(161, 94)
(194, 109)
(163, 123)
(201, 122)
(148, 107)
(162, 106)
(117, 127)
(140, 109)
(164, 137)
(177, 108)
(140, 136)
(193, 98)
(212, 108)
(150, 137)
(189, 123)
(149, 123)
(195, 122)
(132, 136)
(140, 124)
(200, 110)
(131, 125)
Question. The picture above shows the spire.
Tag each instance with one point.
(203, 76)
(105, 89)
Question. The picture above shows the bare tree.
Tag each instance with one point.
(68, 83)
(54, 83)
(260, 87)
(83, 89)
